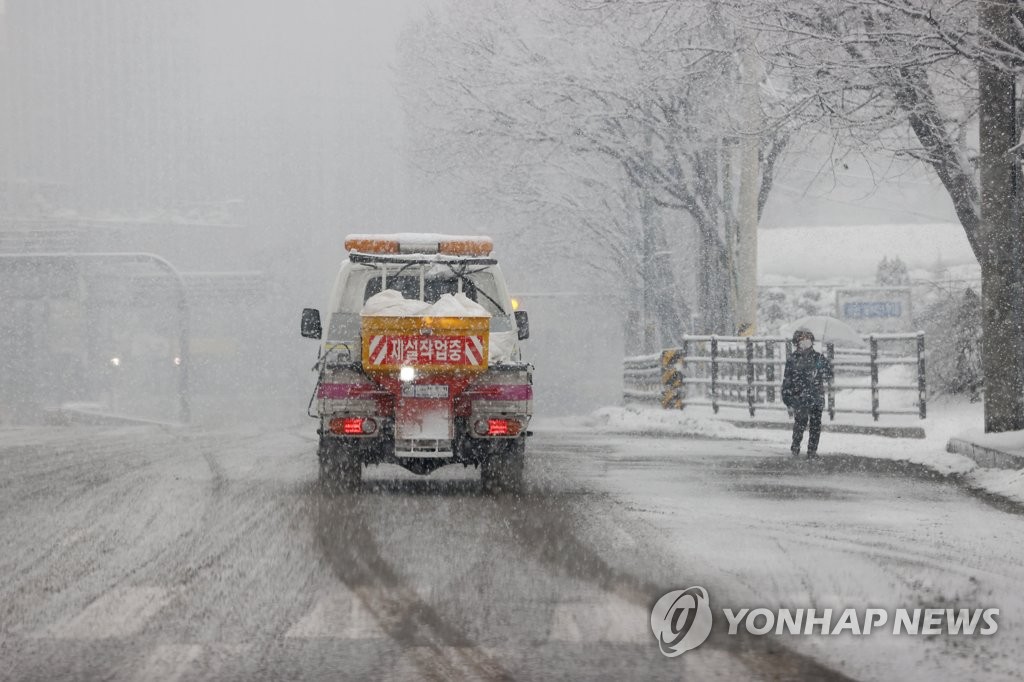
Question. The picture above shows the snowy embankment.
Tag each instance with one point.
(945, 421)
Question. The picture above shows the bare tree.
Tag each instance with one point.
(632, 91)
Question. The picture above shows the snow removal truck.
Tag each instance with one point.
(420, 363)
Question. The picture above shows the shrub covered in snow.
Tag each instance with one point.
(779, 305)
(952, 326)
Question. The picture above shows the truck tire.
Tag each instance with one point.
(502, 469)
(340, 468)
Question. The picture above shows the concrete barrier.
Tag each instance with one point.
(985, 456)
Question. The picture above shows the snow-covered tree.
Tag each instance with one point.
(934, 80)
(953, 328)
(892, 273)
(537, 106)
(781, 305)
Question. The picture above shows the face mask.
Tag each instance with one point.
(805, 344)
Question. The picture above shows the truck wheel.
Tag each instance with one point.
(340, 469)
(502, 470)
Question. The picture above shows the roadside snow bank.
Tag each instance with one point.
(641, 420)
(930, 452)
(947, 419)
(1008, 484)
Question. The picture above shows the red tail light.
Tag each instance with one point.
(497, 427)
(502, 427)
(349, 426)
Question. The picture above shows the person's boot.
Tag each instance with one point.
(812, 454)
(795, 451)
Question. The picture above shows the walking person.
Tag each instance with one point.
(803, 390)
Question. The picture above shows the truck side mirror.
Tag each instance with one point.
(523, 324)
(311, 327)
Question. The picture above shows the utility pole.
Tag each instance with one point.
(1001, 233)
(729, 219)
(649, 224)
(649, 272)
(7, 96)
(750, 175)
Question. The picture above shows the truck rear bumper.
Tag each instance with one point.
(424, 448)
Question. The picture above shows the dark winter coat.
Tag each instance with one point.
(807, 374)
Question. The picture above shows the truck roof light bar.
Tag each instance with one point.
(371, 258)
(448, 245)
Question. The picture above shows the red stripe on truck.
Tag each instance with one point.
(501, 392)
(342, 391)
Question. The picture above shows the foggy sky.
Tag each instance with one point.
(286, 114)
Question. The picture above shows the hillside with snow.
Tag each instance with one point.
(851, 254)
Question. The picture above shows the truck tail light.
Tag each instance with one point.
(353, 426)
(497, 427)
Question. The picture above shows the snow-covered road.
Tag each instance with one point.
(142, 553)
(761, 529)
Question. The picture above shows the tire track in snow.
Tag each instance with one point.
(342, 528)
(545, 523)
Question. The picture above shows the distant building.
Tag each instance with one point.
(876, 309)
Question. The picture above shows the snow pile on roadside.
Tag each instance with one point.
(947, 419)
(929, 452)
(72, 435)
(1002, 482)
(640, 420)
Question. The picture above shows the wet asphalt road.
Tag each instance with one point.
(139, 554)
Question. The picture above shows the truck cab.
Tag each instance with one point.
(420, 362)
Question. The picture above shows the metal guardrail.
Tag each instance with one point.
(747, 371)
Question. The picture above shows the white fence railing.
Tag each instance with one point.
(737, 371)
